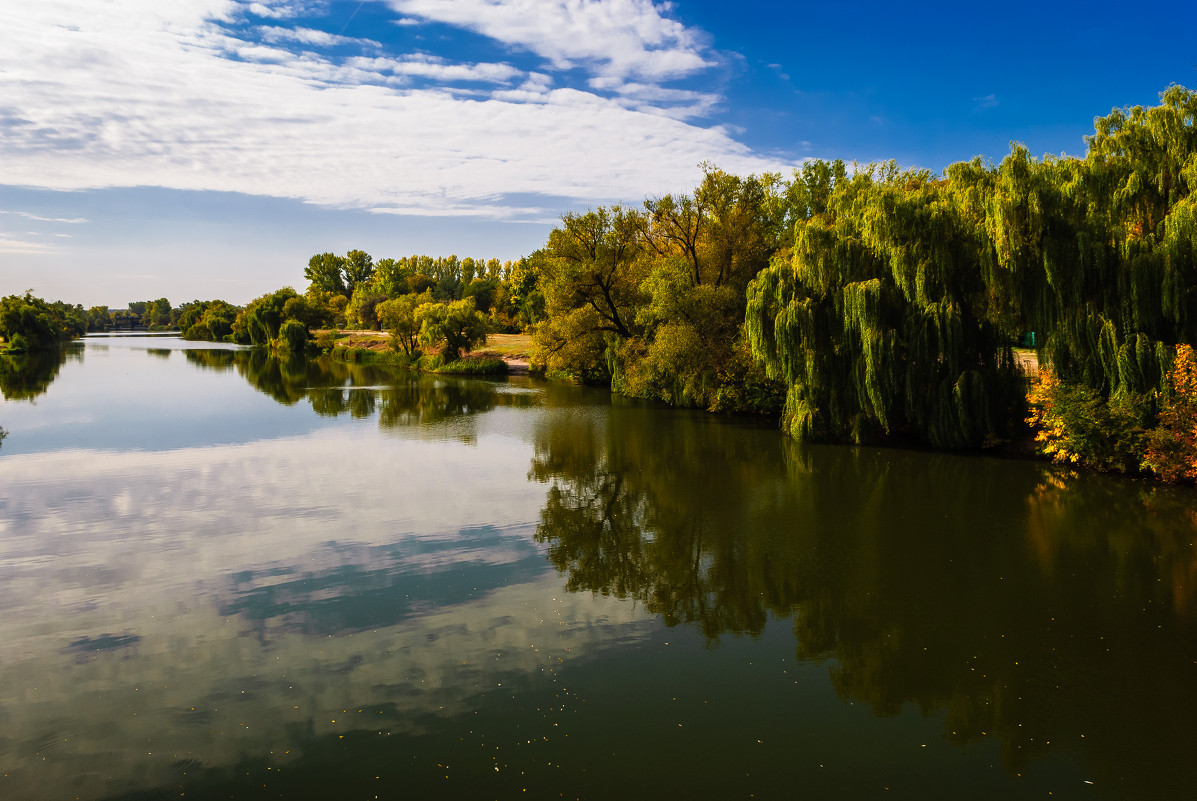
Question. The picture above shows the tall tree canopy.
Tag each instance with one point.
(895, 310)
(876, 320)
(591, 284)
(328, 272)
(653, 300)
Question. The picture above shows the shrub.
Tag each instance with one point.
(1172, 445)
(326, 341)
(1078, 425)
(474, 367)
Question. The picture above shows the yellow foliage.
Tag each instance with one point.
(1052, 429)
(1172, 445)
(1076, 425)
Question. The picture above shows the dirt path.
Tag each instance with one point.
(1028, 360)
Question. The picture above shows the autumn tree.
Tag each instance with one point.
(1171, 451)
(591, 283)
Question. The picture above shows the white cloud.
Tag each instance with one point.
(271, 33)
(680, 103)
(13, 245)
(39, 218)
(436, 69)
(145, 93)
(988, 101)
(285, 9)
(625, 38)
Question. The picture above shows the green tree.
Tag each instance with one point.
(361, 312)
(390, 277)
(293, 336)
(265, 316)
(525, 298)
(303, 309)
(398, 316)
(158, 314)
(591, 284)
(207, 320)
(98, 319)
(325, 272)
(418, 283)
(358, 267)
(877, 323)
(456, 326)
(28, 323)
(484, 291)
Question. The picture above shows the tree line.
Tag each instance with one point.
(29, 323)
(859, 303)
(884, 304)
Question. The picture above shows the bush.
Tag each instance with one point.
(1079, 426)
(373, 357)
(17, 344)
(1172, 445)
(473, 367)
(430, 362)
(326, 341)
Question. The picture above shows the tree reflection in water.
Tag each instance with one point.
(336, 388)
(1051, 610)
(25, 376)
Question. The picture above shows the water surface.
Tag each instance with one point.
(226, 575)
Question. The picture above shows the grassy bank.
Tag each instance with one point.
(371, 347)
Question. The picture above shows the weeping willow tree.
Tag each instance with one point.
(877, 320)
(894, 312)
(1112, 252)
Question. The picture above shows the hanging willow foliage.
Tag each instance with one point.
(1105, 268)
(873, 322)
(895, 311)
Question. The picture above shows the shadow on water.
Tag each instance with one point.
(25, 376)
(1053, 611)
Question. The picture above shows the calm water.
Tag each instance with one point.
(224, 576)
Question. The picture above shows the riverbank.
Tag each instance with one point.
(512, 350)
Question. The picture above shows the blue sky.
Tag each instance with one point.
(206, 148)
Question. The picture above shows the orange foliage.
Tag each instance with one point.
(1172, 445)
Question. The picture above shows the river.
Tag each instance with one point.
(228, 576)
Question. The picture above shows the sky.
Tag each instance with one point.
(198, 149)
